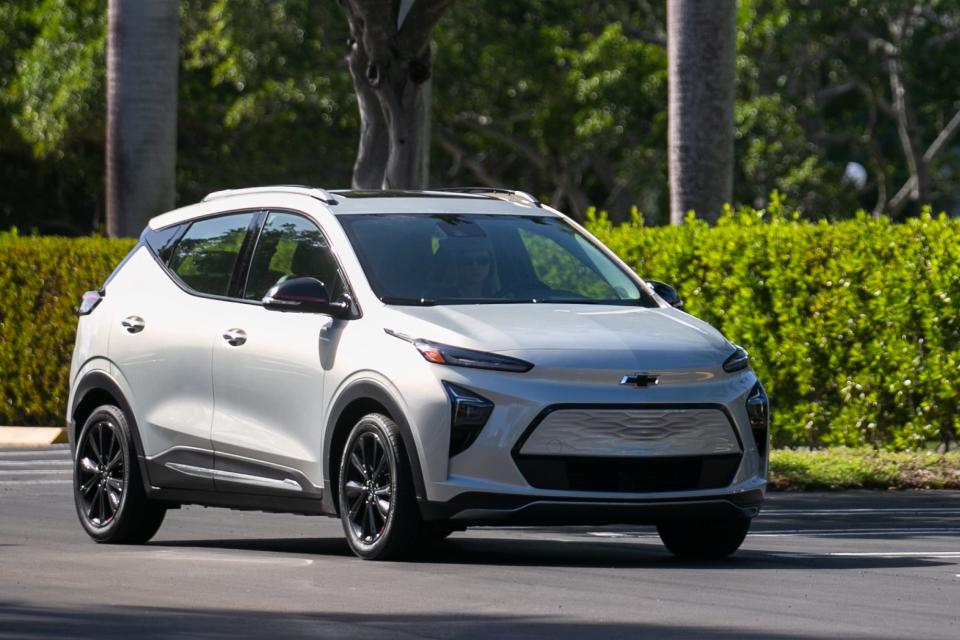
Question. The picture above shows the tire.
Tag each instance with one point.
(378, 506)
(107, 488)
(703, 538)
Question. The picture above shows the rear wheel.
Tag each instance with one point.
(108, 490)
(378, 507)
(703, 537)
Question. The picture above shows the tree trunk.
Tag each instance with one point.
(374, 147)
(142, 57)
(390, 61)
(701, 44)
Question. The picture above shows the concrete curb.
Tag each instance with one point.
(31, 436)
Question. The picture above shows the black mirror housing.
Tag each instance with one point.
(668, 293)
(304, 295)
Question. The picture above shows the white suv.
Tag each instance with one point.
(413, 363)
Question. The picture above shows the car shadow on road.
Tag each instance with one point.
(525, 552)
(28, 622)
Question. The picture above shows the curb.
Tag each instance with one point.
(31, 436)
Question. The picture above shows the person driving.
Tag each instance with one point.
(466, 268)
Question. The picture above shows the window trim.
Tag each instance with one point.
(242, 267)
(355, 311)
(256, 211)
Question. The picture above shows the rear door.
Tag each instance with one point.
(269, 368)
(169, 303)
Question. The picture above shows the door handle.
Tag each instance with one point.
(235, 337)
(133, 324)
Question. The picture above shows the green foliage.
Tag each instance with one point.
(41, 282)
(853, 326)
(863, 468)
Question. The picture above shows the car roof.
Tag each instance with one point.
(478, 200)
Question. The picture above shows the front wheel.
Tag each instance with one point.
(107, 488)
(703, 538)
(378, 507)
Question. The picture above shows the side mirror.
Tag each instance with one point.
(306, 295)
(668, 293)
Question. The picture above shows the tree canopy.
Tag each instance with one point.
(563, 98)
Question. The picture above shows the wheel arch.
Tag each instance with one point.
(361, 398)
(95, 389)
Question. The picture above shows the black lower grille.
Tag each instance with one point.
(629, 475)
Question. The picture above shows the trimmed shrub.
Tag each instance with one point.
(41, 281)
(853, 326)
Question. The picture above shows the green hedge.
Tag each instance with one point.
(853, 326)
(41, 281)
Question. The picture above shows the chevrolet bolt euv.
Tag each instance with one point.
(413, 363)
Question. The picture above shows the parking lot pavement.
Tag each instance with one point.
(816, 565)
(35, 466)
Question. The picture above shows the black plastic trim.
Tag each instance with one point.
(369, 389)
(102, 381)
(241, 267)
(526, 510)
(242, 501)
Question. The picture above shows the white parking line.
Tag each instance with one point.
(840, 512)
(6, 464)
(4, 483)
(33, 472)
(776, 533)
(781, 533)
(35, 452)
(897, 554)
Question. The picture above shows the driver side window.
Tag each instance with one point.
(291, 246)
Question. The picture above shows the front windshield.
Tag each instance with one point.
(430, 259)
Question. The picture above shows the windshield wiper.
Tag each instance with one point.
(417, 302)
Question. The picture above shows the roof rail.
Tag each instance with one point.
(314, 192)
(518, 196)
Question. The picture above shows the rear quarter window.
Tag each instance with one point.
(204, 259)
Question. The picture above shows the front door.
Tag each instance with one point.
(268, 370)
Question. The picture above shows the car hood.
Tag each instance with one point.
(637, 334)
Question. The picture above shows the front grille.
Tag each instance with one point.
(629, 475)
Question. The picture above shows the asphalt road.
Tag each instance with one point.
(848, 565)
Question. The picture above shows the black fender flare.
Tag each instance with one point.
(371, 390)
(103, 381)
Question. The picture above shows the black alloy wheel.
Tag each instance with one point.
(367, 487)
(108, 490)
(101, 472)
(378, 506)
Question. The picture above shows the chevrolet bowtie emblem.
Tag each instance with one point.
(640, 380)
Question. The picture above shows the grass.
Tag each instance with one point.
(863, 468)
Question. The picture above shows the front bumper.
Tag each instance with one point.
(478, 508)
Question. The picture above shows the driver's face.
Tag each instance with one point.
(473, 265)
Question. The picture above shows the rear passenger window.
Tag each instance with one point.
(205, 256)
(291, 246)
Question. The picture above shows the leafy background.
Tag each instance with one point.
(853, 326)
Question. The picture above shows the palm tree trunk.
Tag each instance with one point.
(142, 56)
(701, 45)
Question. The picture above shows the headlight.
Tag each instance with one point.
(738, 360)
(438, 353)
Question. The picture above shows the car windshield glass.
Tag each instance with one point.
(427, 259)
